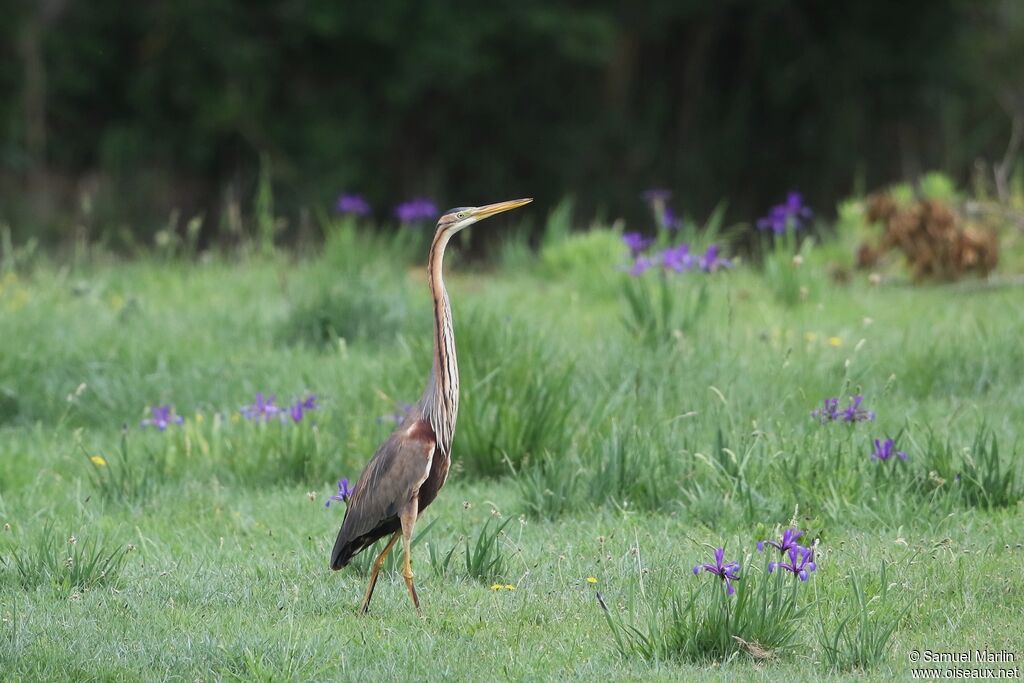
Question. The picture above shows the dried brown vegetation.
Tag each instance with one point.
(933, 236)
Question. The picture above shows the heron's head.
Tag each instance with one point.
(454, 220)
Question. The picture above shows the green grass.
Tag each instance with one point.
(594, 441)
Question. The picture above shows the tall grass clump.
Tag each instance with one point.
(367, 306)
(65, 562)
(761, 618)
(551, 485)
(349, 248)
(643, 462)
(787, 269)
(977, 476)
(360, 292)
(860, 637)
(483, 556)
(362, 289)
(633, 467)
(666, 291)
(273, 452)
(124, 477)
(277, 446)
(784, 251)
(516, 393)
(657, 308)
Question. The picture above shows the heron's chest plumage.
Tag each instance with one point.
(436, 462)
(435, 478)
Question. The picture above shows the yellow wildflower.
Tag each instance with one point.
(497, 587)
(591, 580)
(835, 341)
(509, 587)
(98, 460)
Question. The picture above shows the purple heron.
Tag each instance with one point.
(407, 471)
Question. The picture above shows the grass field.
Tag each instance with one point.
(615, 445)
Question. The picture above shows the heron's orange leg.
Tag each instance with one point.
(408, 522)
(377, 564)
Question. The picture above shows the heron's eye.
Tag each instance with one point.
(461, 215)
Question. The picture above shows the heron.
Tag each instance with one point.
(410, 467)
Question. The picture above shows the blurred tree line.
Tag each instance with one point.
(113, 113)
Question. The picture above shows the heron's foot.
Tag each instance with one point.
(412, 591)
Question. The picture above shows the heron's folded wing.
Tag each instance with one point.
(391, 478)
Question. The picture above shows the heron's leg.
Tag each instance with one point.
(408, 523)
(377, 564)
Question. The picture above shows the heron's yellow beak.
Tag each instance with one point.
(482, 212)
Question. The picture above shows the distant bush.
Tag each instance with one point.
(583, 255)
(362, 292)
(369, 306)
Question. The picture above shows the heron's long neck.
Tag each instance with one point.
(440, 401)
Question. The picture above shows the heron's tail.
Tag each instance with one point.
(344, 550)
(349, 542)
(353, 540)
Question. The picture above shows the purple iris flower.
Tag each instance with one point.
(415, 210)
(402, 411)
(791, 213)
(727, 571)
(343, 494)
(161, 417)
(301, 407)
(801, 562)
(710, 262)
(854, 413)
(851, 413)
(263, 408)
(636, 242)
(884, 450)
(678, 258)
(669, 220)
(641, 265)
(788, 541)
(828, 413)
(353, 204)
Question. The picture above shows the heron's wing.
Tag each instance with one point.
(388, 484)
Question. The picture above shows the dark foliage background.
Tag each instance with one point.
(116, 112)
